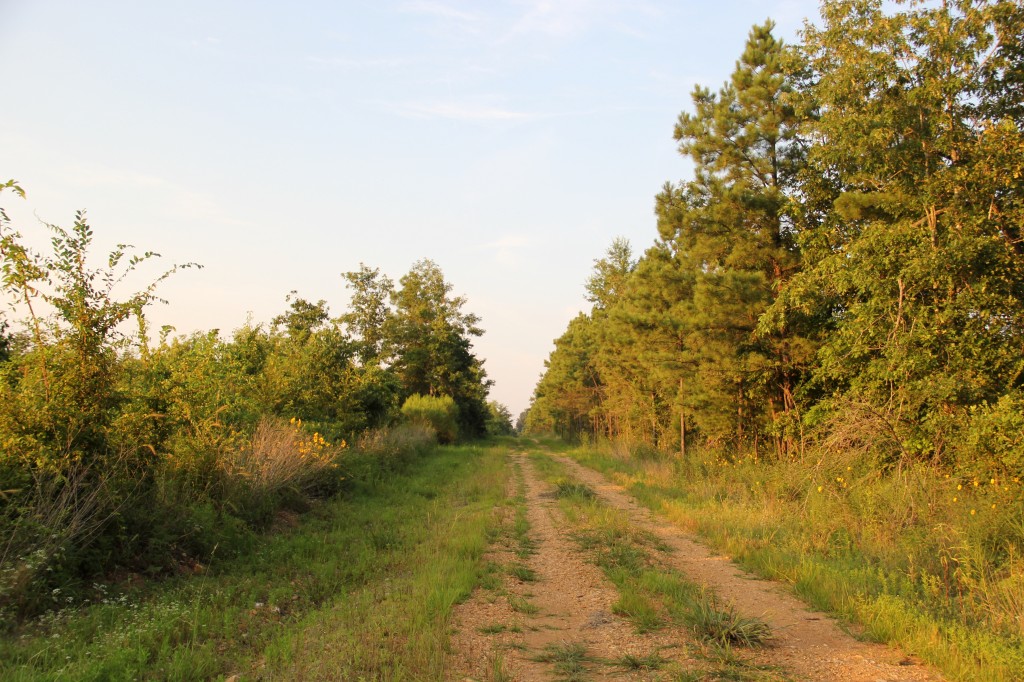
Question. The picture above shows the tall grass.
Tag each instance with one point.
(917, 556)
(362, 587)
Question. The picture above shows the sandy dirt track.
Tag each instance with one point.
(494, 639)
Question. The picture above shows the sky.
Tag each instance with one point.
(282, 144)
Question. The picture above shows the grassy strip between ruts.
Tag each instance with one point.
(362, 589)
(651, 594)
(782, 527)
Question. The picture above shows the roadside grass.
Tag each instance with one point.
(651, 594)
(362, 587)
(526, 546)
(522, 605)
(916, 558)
(647, 662)
(568, 659)
(522, 573)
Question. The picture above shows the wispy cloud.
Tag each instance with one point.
(507, 250)
(568, 18)
(511, 241)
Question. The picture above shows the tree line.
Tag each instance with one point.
(844, 269)
(119, 452)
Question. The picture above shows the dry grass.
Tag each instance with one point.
(282, 456)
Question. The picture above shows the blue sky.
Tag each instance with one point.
(281, 144)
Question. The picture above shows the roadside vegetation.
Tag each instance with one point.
(126, 459)
(912, 560)
(827, 331)
(366, 580)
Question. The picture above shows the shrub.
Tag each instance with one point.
(437, 412)
(281, 458)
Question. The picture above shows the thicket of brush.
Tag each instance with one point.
(123, 457)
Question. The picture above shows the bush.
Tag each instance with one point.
(279, 458)
(436, 412)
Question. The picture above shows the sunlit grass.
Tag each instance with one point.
(363, 587)
(651, 594)
(902, 554)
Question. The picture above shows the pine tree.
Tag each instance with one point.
(733, 228)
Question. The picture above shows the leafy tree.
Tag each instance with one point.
(917, 267)
(303, 318)
(369, 311)
(429, 339)
(499, 422)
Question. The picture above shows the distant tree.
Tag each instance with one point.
(521, 421)
(302, 318)
(429, 339)
(369, 311)
(499, 422)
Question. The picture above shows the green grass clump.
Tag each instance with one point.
(573, 489)
(522, 605)
(636, 606)
(654, 661)
(568, 659)
(714, 623)
(522, 573)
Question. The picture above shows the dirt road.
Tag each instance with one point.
(550, 616)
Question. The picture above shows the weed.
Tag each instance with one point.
(713, 623)
(654, 661)
(522, 573)
(568, 658)
(635, 606)
(521, 605)
(498, 628)
(498, 671)
(572, 489)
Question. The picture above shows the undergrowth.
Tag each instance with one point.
(916, 556)
(367, 581)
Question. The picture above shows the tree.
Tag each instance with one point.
(732, 227)
(429, 339)
(499, 422)
(369, 311)
(916, 268)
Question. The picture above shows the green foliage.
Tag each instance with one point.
(429, 338)
(120, 454)
(499, 420)
(844, 269)
(439, 413)
(925, 560)
(379, 565)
